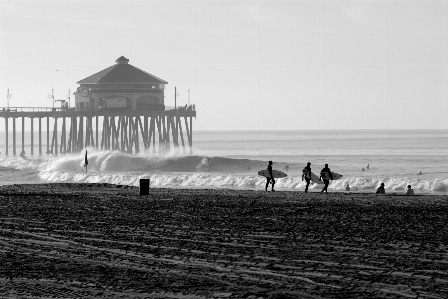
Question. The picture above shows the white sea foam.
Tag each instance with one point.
(188, 180)
(187, 171)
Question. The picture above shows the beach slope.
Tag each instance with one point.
(101, 240)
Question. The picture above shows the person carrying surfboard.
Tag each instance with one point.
(324, 174)
(271, 178)
(306, 174)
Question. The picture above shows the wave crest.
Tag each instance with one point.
(189, 180)
(186, 171)
(119, 161)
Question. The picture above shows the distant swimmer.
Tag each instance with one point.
(367, 166)
(306, 174)
(409, 191)
(248, 168)
(363, 169)
(347, 188)
(381, 189)
(271, 178)
(324, 178)
(287, 167)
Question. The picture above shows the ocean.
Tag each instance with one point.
(231, 159)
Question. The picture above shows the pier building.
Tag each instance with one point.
(123, 103)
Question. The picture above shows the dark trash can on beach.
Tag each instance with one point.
(144, 186)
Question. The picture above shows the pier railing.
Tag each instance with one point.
(35, 109)
(58, 109)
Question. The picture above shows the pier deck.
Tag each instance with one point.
(58, 112)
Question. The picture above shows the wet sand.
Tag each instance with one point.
(100, 240)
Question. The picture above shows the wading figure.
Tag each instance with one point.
(270, 179)
(306, 174)
(324, 177)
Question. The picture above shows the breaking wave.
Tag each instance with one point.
(119, 161)
(214, 180)
(180, 171)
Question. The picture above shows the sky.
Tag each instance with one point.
(249, 65)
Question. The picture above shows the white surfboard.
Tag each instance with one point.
(275, 173)
(315, 179)
(335, 175)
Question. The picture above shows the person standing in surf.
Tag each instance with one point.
(306, 174)
(268, 180)
(324, 177)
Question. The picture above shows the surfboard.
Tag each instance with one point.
(315, 179)
(275, 173)
(336, 176)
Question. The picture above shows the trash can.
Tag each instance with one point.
(144, 186)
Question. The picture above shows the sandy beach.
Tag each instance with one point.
(101, 240)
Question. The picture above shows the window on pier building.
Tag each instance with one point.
(136, 86)
(115, 86)
(145, 86)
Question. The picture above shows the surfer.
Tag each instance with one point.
(381, 189)
(306, 174)
(208, 164)
(347, 188)
(409, 191)
(287, 167)
(271, 178)
(324, 178)
(367, 166)
(420, 173)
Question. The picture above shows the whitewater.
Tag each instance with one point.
(231, 159)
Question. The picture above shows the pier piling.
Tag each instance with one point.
(14, 136)
(22, 153)
(120, 131)
(6, 134)
(48, 135)
(40, 137)
(32, 136)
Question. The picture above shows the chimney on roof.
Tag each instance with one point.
(122, 60)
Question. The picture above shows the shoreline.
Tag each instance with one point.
(256, 189)
(74, 240)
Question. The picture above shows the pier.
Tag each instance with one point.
(124, 103)
(120, 130)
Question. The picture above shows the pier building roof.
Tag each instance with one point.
(122, 72)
